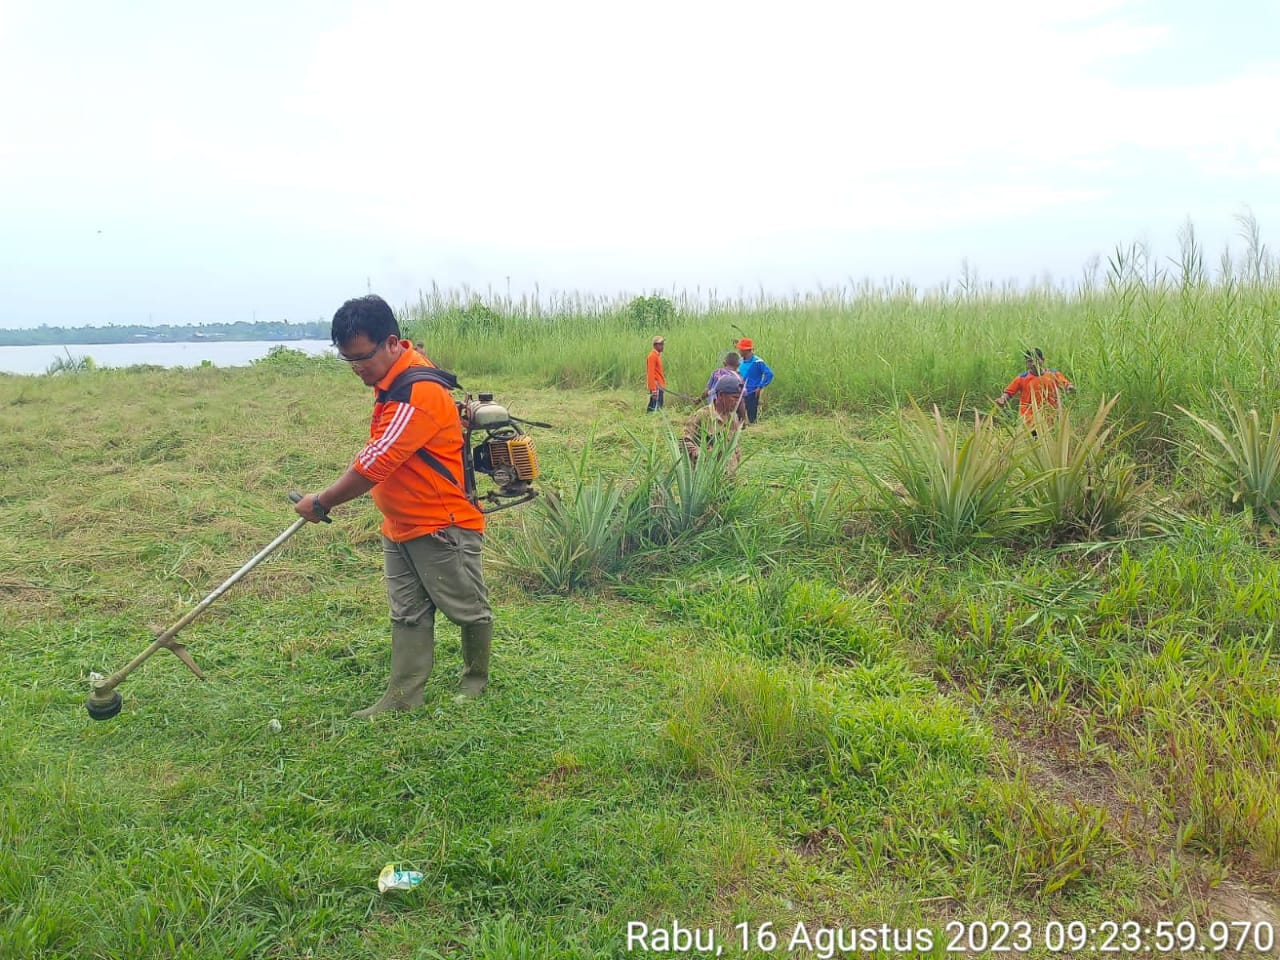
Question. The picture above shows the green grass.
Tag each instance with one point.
(756, 706)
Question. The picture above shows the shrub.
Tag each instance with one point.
(953, 485)
(282, 356)
(569, 540)
(476, 317)
(653, 314)
(676, 495)
(1081, 482)
(575, 538)
(1243, 456)
(70, 364)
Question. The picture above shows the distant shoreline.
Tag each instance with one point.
(38, 358)
(241, 332)
(89, 341)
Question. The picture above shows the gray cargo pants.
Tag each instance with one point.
(440, 571)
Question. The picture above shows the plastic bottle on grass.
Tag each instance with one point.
(392, 879)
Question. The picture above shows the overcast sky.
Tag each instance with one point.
(188, 163)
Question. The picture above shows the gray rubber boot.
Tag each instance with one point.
(476, 641)
(412, 653)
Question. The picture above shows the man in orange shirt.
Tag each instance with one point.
(431, 533)
(654, 378)
(1037, 389)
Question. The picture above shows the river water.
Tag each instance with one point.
(221, 353)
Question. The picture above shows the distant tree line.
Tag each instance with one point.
(167, 333)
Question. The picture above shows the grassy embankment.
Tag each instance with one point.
(777, 715)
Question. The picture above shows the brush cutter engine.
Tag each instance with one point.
(493, 444)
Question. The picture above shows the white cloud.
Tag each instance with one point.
(383, 132)
(555, 119)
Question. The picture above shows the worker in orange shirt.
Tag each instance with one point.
(654, 378)
(1037, 388)
(431, 533)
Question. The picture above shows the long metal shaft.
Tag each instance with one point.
(105, 686)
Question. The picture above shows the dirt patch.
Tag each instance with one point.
(558, 781)
(25, 596)
(1051, 763)
(817, 843)
(1234, 902)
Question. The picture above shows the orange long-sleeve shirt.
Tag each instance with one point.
(653, 369)
(414, 499)
(1036, 391)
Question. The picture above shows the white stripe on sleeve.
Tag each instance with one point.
(376, 448)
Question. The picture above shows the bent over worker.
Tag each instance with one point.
(431, 533)
(717, 423)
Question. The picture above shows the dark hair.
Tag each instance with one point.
(1035, 354)
(370, 315)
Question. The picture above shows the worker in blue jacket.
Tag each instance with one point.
(756, 374)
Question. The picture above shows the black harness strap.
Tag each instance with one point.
(401, 389)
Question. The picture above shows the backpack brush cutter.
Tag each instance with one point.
(503, 452)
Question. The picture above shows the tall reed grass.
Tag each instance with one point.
(1160, 333)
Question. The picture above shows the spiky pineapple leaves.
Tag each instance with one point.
(955, 483)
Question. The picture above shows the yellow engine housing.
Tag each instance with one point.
(516, 454)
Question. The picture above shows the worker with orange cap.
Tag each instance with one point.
(755, 374)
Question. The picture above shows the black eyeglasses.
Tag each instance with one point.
(363, 357)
